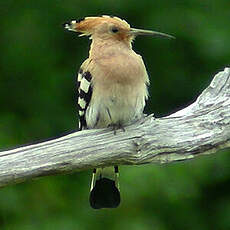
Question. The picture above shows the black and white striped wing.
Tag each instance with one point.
(84, 86)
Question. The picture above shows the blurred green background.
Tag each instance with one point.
(38, 63)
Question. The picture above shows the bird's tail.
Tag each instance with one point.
(104, 191)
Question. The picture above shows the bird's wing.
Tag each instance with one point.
(84, 88)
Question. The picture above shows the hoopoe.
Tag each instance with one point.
(112, 89)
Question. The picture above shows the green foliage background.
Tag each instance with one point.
(38, 63)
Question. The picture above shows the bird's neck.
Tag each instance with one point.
(103, 48)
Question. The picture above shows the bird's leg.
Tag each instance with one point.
(115, 127)
(121, 127)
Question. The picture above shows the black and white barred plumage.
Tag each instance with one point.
(104, 191)
(84, 88)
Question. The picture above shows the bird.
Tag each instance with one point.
(112, 86)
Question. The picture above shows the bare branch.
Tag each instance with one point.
(201, 128)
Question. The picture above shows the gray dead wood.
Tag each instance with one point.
(201, 128)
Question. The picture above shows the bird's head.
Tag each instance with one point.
(108, 27)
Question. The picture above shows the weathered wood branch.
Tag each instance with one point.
(201, 128)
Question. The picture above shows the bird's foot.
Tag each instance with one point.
(115, 127)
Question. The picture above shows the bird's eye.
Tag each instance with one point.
(114, 29)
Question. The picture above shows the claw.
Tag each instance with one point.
(115, 127)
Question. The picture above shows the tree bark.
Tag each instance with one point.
(201, 128)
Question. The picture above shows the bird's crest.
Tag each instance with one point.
(88, 25)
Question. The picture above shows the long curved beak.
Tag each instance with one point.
(136, 32)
